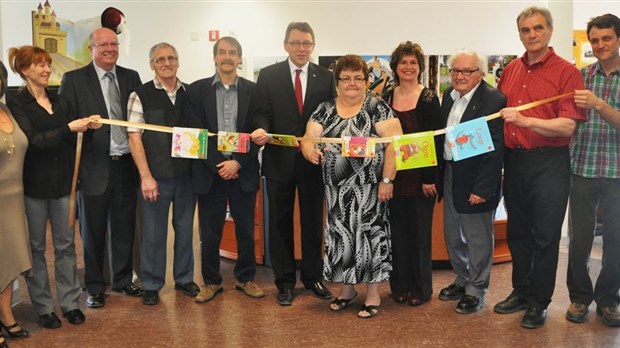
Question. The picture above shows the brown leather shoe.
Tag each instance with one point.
(208, 292)
(609, 315)
(251, 289)
(577, 312)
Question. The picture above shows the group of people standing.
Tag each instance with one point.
(379, 222)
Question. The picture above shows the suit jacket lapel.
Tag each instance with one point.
(474, 104)
(447, 106)
(95, 87)
(210, 104)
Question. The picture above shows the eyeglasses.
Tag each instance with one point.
(106, 44)
(162, 60)
(348, 79)
(464, 72)
(305, 44)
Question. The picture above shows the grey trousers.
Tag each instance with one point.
(38, 211)
(470, 241)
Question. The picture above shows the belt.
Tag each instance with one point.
(521, 151)
(119, 157)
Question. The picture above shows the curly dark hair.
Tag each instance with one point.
(407, 48)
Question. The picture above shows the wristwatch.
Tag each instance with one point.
(387, 180)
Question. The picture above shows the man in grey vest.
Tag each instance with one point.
(163, 180)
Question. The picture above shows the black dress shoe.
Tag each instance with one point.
(190, 289)
(95, 301)
(285, 297)
(130, 290)
(150, 297)
(75, 316)
(21, 333)
(400, 298)
(50, 321)
(511, 304)
(319, 290)
(534, 318)
(469, 304)
(452, 293)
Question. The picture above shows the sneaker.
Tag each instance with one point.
(251, 289)
(609, 315)
(577, 312)
(208, 292)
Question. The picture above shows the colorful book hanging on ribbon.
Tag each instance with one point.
(233, 142)
(415, 150)
(469, 139)
(283, 140)
(358, 147)
(189, 142)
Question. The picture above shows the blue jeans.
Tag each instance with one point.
(178, 192)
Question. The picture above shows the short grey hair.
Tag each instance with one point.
(479, 60)
(161, 45)
(532, 10)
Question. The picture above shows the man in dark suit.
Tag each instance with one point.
(471, 187)
(224, 102)
(107, 186)
(286, 95)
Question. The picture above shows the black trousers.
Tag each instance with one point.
(536, 188)
(281, 196)
(113, 211)
(411, 219)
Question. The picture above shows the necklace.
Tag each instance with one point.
(8, 144)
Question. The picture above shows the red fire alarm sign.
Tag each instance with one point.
(214, 35)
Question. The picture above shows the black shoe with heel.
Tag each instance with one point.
(3, 343)
(21, 333)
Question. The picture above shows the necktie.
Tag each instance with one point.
(119, 135)
(298, 91)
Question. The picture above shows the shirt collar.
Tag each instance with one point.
(294, 67)
(159, 85)
(101, 72)
(216, 80)
(545, 58)
(597, 68)
(456, 95)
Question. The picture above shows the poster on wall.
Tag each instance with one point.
(67, 41)
(582, 50)
(437, 76)
(380, 76)
(495, 67)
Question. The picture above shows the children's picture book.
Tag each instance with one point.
(189, 142)
(468, 139)
(283, 140)
(415, 150)
(358, 147)
(233, 142)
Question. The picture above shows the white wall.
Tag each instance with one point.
(362, 27)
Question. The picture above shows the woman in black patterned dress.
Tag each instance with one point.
(357, 238)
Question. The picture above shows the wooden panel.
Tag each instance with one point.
(501, 253)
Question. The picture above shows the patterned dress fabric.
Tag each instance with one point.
(357, 233)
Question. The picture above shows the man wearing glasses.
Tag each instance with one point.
(537, 164)
(107, 185)
(163, 180)
(471, 188)
(286, 95)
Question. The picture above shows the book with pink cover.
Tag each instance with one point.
(233, 142)
(358, 147)
(189, 142)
